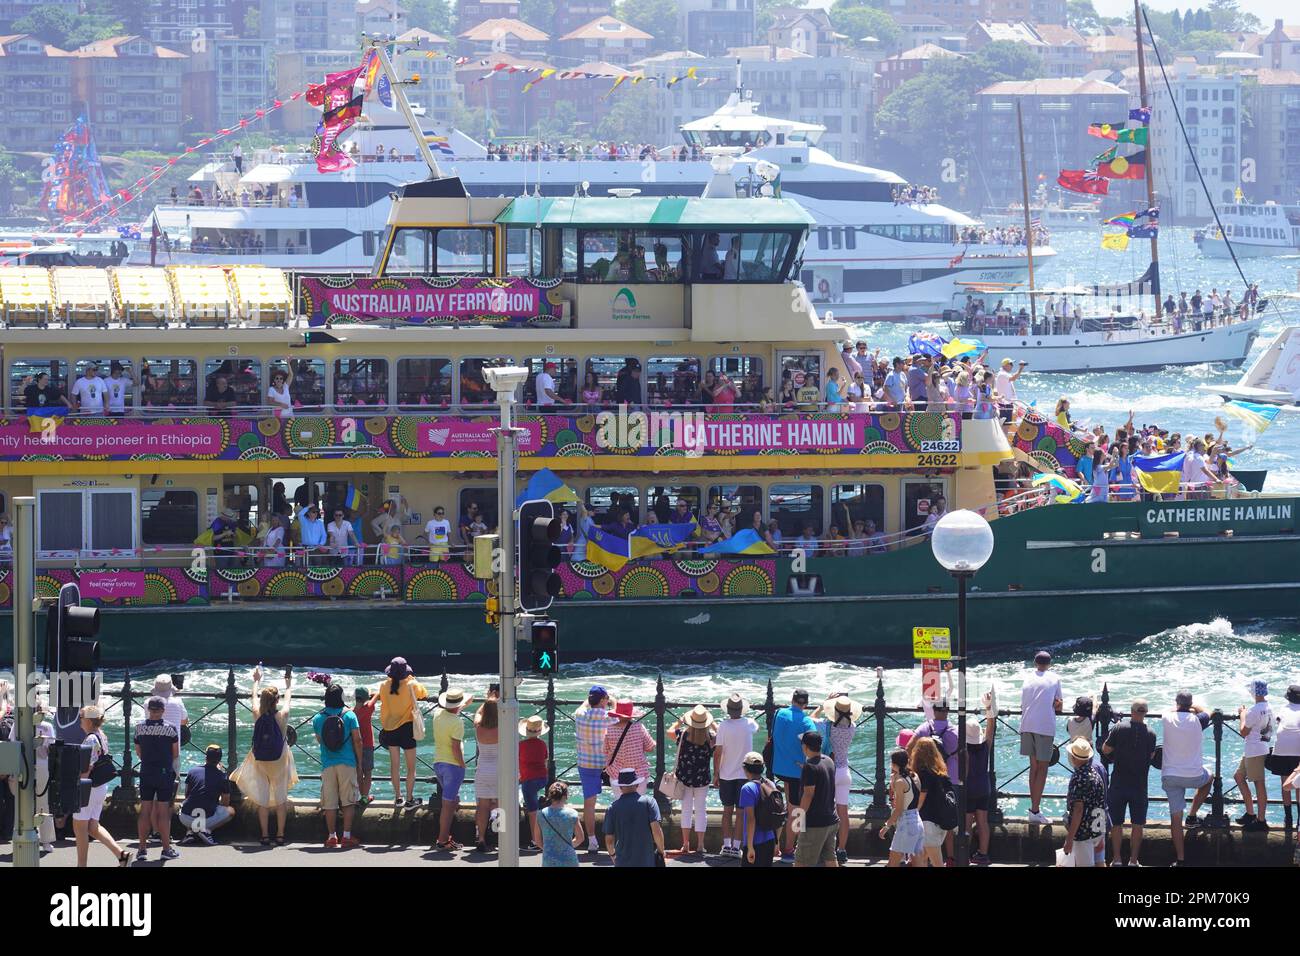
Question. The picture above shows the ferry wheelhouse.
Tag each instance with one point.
(387, 410)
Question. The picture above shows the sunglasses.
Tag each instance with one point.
(439, 513)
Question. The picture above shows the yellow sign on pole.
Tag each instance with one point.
(931, 643)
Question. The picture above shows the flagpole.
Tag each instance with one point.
(1150, 152)
(399, 96)
(1029, 232)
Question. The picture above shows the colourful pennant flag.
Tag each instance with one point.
(1123, 219)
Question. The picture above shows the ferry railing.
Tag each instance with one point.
(877, 727)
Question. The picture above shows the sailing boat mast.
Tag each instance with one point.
(1145, 103)
(1029, 232)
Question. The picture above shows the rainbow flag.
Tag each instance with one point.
(742, 542)
(1125, 219)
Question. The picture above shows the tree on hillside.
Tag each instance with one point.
(1003, 60)
(632, 117)
(561, 125)
(1228, 17)
(431, 15)
(1210, 40)
(656, 17)
(763, 14)
(540, 13)
(857, 19)
(1082, 15)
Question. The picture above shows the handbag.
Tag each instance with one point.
(417, 718)
(1158, 758)
(604, 774)
(103, 769)
(669, 786)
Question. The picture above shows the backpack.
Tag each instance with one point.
(6, 726)
(945, 808)
(770, 813)
(268, 738)
(333, 732)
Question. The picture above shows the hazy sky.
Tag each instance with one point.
(1266, 10)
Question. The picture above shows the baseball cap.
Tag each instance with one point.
(1259, 688)
(800, 697)
(753, 759)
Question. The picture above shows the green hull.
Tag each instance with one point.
(1053, 576)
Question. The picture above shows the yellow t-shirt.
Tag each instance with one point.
(446, 728)
(395, 709)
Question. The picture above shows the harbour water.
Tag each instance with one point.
(1211, 658)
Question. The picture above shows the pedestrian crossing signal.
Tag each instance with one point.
(492, 611)
(546, 648)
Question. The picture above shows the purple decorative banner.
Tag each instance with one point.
(112, 585)
(458, 436)
(411, 300)
(1049, 444)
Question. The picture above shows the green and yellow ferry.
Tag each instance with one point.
(387, 408)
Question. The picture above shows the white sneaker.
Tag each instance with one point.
(733, 851)
(1038, 818)
(1134, 863)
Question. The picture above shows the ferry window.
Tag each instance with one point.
(835, 237)
(605, 501)
(821, 237)
(307, 390)
(474, 387)
(409, 253)
(675, 380)
(111, 368)
(745, 372)
(423, 381)
(563, 373)
(523, 252)
(242, 498)
(743, 501)
(609, 256)
(569, 252)
(112, 520)
(169, 517)
(853, 503)
(464, 252)
(850, 237)
(243, 377)
(168, 382)
(361, 381)
(59, 521)
(484, 511)
(763, 255)
(666, 257)
(609, 370)
(801, 373)
(23, 372)
(920, 498)
(661, 501)
(794, 507)
(717, 256)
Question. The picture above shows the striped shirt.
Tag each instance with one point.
(590, 724)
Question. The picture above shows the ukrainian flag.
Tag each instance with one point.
(659, 538)
(1257, 416)
(352, 499)
(546, 485)
(742, 542)
(1069, 490)
(607, 550)
(1159, 474)
(36, 421)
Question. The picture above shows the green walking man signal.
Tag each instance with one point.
(546, 648)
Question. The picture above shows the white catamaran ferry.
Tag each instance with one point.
(1254, 230)
(871, 254)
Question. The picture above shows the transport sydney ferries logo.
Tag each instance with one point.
(623, 307)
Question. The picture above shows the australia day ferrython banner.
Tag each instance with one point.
(446, 300)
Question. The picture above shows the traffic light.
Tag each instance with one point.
(492, 611)
(546, 648)
(69, 767)
(539, 529)
(69, 629)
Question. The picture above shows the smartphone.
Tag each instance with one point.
(178, 681)
(494, 688)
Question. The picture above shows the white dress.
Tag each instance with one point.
(485, 773)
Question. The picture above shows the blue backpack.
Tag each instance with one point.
(268, 738)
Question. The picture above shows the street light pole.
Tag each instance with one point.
(26, 846)
(504, 381)
(962, 542)
(963, 758)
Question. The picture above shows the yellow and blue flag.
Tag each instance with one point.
(546, 485)
(607, 550)
(959, 347)
(742, 542)
(1069, 490)
(37, 421)
(352, 499)
(660, 538)
(1257, 416)
(1159, 474)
